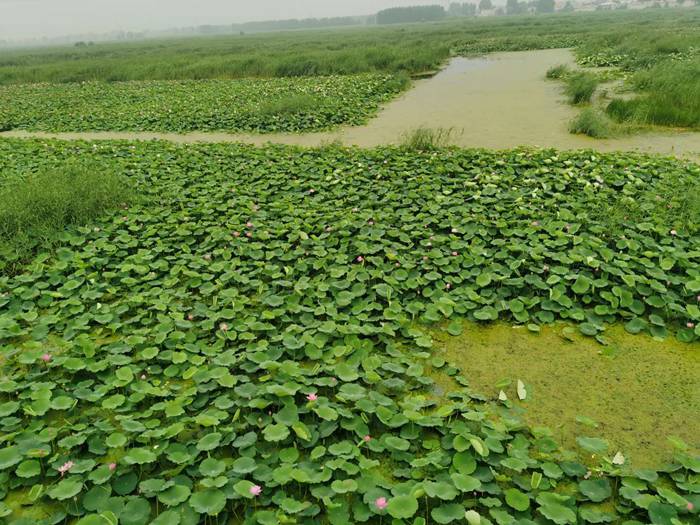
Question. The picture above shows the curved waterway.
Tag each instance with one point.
(499, 101)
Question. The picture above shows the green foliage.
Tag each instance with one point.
(664, 59)
(229, 346)
(593, 123)
(636, 47)
(673, 201)
(580, 87)
(36, 209)
(299, 53)
(383, 49)
(426, 139)
(259, 105)
(669, 96)
(558, 72)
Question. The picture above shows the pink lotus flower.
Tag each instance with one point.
(367, 438)
(223, 327)
(360, 259)
(690, 325)
(673, 232)
(545, 268)
(312, 397)
(249, 235)
(143, 376)
(190, 317)
(112, 466)
(249, 225)
(381, 503)
(255, 490)
(65, 467)
(207, 257)
(690, 506)
(370, 222)
(312, 190)
(236, 234)
(46, 358)
(397, 265)
(455, 254)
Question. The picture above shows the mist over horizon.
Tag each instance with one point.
(30, 19)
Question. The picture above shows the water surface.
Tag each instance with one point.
(638, 390)
(499, 101)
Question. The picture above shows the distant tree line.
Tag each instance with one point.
(462, 9)
(305, 23)
(405, 15)
(514, 7)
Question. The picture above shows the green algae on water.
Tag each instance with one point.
(636, 392)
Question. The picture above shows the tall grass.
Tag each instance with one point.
(593, 123)
(580, 87)
(36, 211)
(669, 96)
(557, 72)
(414, 48)
(427, 139)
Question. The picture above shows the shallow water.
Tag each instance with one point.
(638, 390)
(499, 101)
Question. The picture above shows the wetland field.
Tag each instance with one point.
(420, 274)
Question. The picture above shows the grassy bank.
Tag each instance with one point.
(668, 95)
(410, 49)
(664, 71)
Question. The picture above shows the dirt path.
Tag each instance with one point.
(499, 101)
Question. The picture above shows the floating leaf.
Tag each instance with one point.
(210, 502)
(517, 499)
(402, 507)
(66, 488)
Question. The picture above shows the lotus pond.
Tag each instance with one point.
(251, 344)
(245, 105)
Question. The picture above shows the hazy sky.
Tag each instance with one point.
(36, 18)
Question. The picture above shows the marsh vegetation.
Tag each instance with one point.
(419, 333)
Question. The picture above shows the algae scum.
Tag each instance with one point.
(634, 391)
(252, 342)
